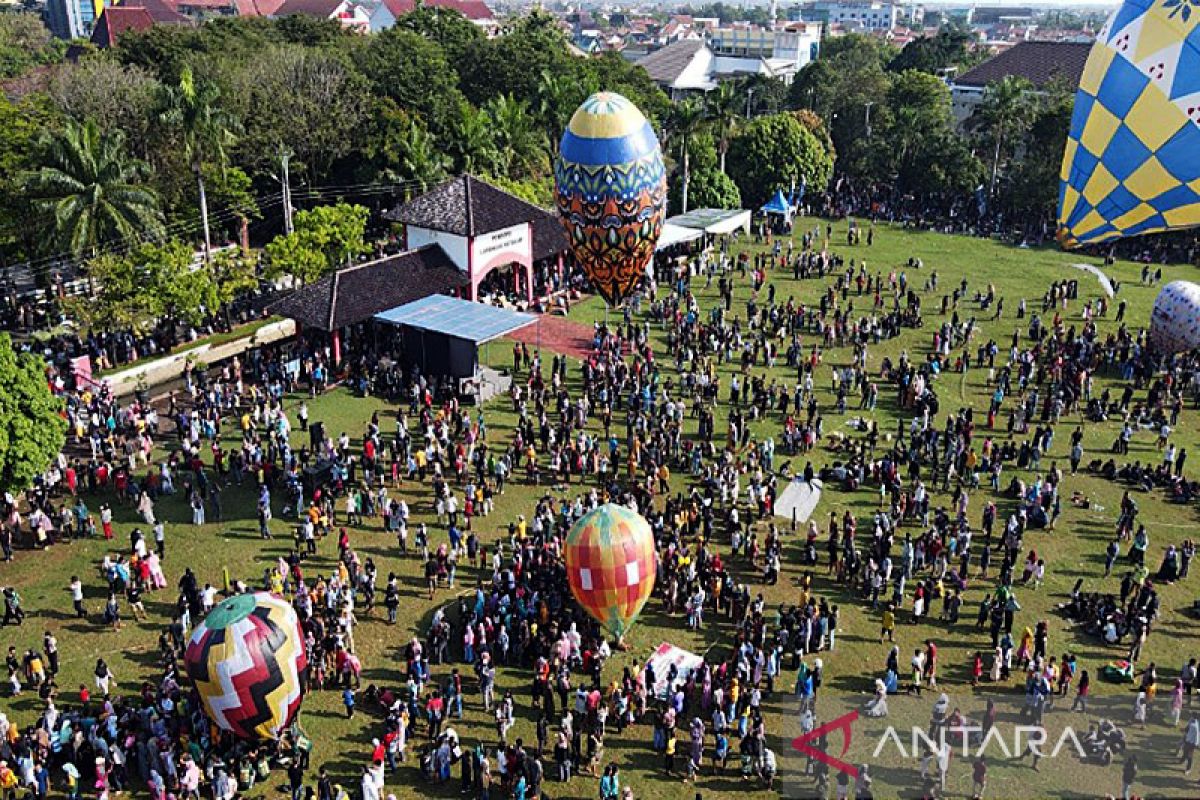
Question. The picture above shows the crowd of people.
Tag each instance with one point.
(613, 429)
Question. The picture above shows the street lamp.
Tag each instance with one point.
(749, 97)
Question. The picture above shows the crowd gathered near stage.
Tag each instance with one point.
(945, 545)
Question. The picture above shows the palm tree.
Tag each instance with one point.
(473, 145)
(724, 110)
(558, 96)
(91, 188)
(686, 118)
(420, 159)
(205, 128)
(1006, 113)
(517, 136)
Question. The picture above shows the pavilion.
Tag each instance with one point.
(483, 229)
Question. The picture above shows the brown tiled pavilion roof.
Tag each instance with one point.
(549, 238)
(466, 206)
(1037, 62)
(355, 294)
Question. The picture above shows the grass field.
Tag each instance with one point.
(1074, 550)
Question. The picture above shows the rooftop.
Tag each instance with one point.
(474, 10)
(668, 63)
(461, 319)
(117, 20)
(321, 9)
(1038, 62)
(355, 294)
(466, 206)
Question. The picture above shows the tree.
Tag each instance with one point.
(233, 275)
(445, 27)
(539, 191)
(763, 94)
(176, 288)
(325, 238)
(33, 429)
(118, 298)
(305, 99)
(1032, 187)
(205, 128)
(724, 111)
(23, 125)
(1005, 114)
(26, 43)
(773, 152)
(414, 72)
(710, 188)
(161, 49)
(839, 87)
(472, 144)
(402, 150)
(558, 97)
(532, 44)
(686, 119)
(233, 192)
(521, 143)
(91, 190)
(932, 54)
(119, 97)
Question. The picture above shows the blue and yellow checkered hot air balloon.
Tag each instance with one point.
(1132, 163)
(611, 191)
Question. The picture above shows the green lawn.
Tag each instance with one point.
(1074, 550)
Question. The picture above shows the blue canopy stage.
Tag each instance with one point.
(445, 332)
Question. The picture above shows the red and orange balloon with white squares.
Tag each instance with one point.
(611, 563)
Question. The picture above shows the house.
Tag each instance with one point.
(349, 14)
(699, 65)
(385, 14)
(132, 15)
(205, 9)
(1041, 63)
(682, 66)
(854, 16)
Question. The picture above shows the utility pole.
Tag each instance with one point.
(868, 105)
(286, 184)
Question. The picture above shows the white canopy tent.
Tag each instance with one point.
(676, 234)
(713, 220)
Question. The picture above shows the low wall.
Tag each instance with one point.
(169, 367)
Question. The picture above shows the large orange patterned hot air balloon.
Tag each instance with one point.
(611, 191)
(611, 565)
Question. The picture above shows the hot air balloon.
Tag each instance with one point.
(247, 661)
(1175, 319)
(611, 192)
(1131, 163)
(611, 565)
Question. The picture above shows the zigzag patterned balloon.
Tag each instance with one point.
(1132, 162)
(247, 661)
(611, 192)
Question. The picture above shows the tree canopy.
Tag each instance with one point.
(774, 152)
(32, 426)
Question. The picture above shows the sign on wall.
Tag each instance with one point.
(501, 247)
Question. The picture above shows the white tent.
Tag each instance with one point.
(713, 220)
(676, 234)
